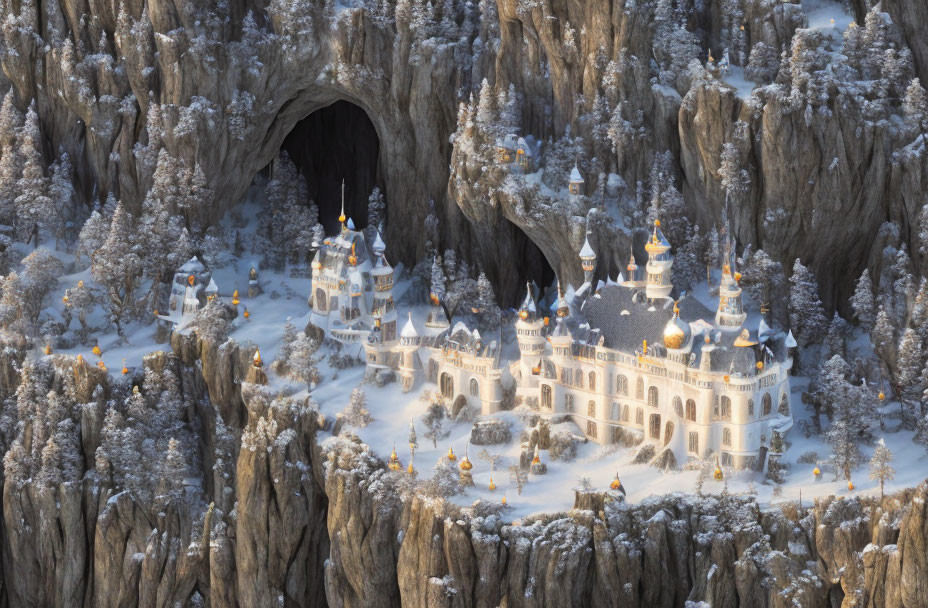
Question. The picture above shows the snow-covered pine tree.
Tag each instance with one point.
(162, 235)
(11, 120)
(487, 116)
(38, 278)
(174, 470)
(882, 336)
(34, 208)
(915, 105)
(881, 468)
(764, 281)
(357, 414)
(835, 338)
(735, 179)
(688, 261)
(845, 428)
(806, 312)
(486, 303)
(302, 361)
(62, 195)
(437, 284)
(117, 267)
(376, 211)
(434, 421)
(862, 300)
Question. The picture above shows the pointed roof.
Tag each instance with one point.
(587, 251)
(528, 304)
(350, 224)
(409, 330)
(790, 340)
(379, 246)
(575, 177)
(764, 332)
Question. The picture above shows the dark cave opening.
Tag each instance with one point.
(335, 143)
(530, 264)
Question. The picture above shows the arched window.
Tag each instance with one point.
(564, 375)
(691, 410)
(578, 378)
(447, 386)
(655, 426)
(726, 436)
(474, 388)
(626, 413)
(621, 385)
(320, 299)
(639, 416)
(726, 407)
(668, 431)
(652, 396)
(591, 409)
(694, 443)
(767, 405)
(784, 405)
(750, 408)
(678, 406)
(591, 429)
(546, 399)
(639, 390)
(592, 381)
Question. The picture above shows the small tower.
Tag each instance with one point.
(465, 465)
(530, 329)
(659, 265)
(437, 320)
(730, 314)
(383, 309)
(409, 346)
(575, 185)
(633, 271)
(563, 308)
(588, 259)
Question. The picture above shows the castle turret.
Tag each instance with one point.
(530, 331)
(575, 184)
(730, 314)
(659, 265)
(383, 309)
(409, 346)
(633, 271)
(563, 308)
(588, 259)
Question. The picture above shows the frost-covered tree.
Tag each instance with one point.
(764, 281)
(882, 336)
(518, 477)
(862, 300)
(162, 235)
(487, 117)
(845, 428)
(80, 301)
(806, 312)
(434, 421)
(489, 313)
(174, 470)
(302, 361)
(763, 64)
(915, 105)
(62, 195)
(881, 468)
(117, 267)
(94, 232)
(34, 207)
(510, 110)
(735, 179)
(287, 221)
(835, 338)
(357, 414)
(444, 482)
(376, 211)
(437, 283)
(413, 440)
(38, 278)
(688, 261)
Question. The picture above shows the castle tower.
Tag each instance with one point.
(530, 331)
(588, 260)
(575, 183)
(563, 308)
(633, 271)
(730, 314)
(383, 309)
(660, 262)
(409, 346)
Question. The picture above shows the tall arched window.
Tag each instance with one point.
(626, 412)
(678, 406)
(447, 386)
(726, 437)
(726, 407)
(474, 388)
(320, 299)
(767, 404)
(639, 416)
(592, 381)
(621, 385)
(652, 396)
(591, 409)
(691, 410)
(694, 443)
(655, 426)
(750, 408)
(639, 389)
(546, 399)
(578, 378)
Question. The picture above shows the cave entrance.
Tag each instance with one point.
(335, 143)
(530, 264)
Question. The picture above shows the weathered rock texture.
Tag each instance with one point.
(298, 519)
(222, 89)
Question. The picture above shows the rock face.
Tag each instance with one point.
(287, 517)
(223, 87)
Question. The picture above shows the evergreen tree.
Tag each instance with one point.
(434, 421)
(162, 235)
(688, 261)
(39, 277)
(882, 336)
(302, 361)
(174, 470)
(117, 267)
(862, 300)
(881, 465)
(63, 198)
(11, 161)
(843, 434)
(11, 119)
(915, 105)
(486, 112)
(806, 313)
(34, 207)
(356, 414)
(735, 179)
(486, 303)
(437, 284)
(835, 339)
(376, 211)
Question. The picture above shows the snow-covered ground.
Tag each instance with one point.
(827, 16)
(736, 79)
(285, 296)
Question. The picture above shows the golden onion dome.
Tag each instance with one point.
(451, 455)
(677, 332)
(466, 464)
(616, 484)
(816, 471)
(492, 485)
(850, 486)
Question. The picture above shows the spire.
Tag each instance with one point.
(527, 310)
(563, 309)
(342, 217)
(588, 259)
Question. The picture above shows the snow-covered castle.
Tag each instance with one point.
(352, 302)
(628, 363)
(624, 360)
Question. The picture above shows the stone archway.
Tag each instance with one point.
(459, 404)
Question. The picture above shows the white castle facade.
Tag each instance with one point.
(624, 360)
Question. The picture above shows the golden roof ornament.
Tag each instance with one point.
(451, 455)
(394, 464)
(48, 349)
(246, 314)
(125, 370)
(466, 464)
(256, 359)
(537, 457)
(616, 484)
(492, 485)
(717, 474)
(850, 485)
(744, 339)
